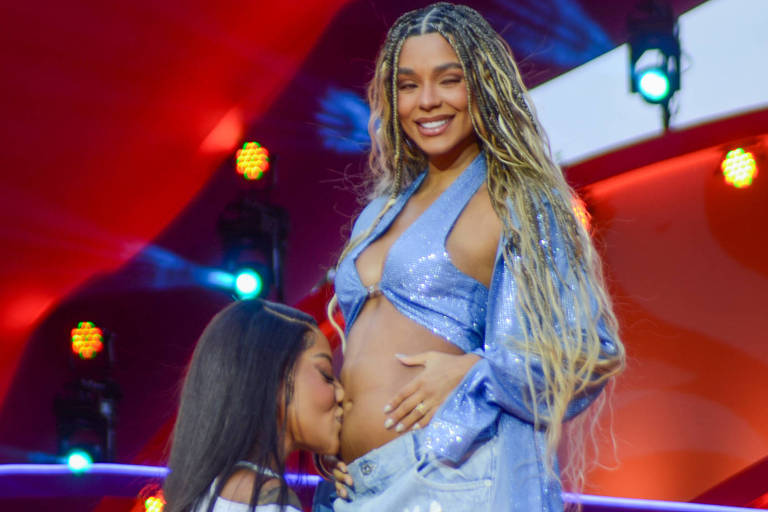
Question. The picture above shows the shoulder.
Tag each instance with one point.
(239, 489)
(479, 227)
(270, 495)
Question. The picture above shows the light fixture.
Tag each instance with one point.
(653, 85)
(253, 234)
(87, 340)
(151, 497)
(654, 54)
(86, 406)
(154, 504)
(248, 283)
(739, 168)
(252, 161)
(79, 460)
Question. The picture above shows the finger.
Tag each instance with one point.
(396, 417)
(341, 491)
(409, 412)
(419, 359)
(424, 421)
(405, 392)
(342, 476)
(416, 415)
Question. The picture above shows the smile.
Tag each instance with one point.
(435, 127)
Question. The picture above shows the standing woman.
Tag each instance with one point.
(260, 385)
(477, 321)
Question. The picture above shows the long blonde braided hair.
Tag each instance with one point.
(521, 178)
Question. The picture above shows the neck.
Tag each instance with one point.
(444, 169)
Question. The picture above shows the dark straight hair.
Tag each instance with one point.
(241, 366)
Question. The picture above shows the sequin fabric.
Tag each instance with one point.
(418, 276)
(494, 397)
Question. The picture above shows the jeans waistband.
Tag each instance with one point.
(372, 470)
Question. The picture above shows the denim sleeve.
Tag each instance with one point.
(498, 382)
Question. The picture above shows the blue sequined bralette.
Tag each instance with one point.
(418, 277)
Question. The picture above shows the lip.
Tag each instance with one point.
(433, 132)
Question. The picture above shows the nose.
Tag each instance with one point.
(429, 97)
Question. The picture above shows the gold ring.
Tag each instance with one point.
(421, 408)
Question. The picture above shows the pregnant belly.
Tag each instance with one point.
(372, 375)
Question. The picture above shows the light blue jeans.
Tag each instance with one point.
(401, 477)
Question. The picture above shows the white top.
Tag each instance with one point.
(225, 505)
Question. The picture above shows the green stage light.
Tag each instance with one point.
(654, 85)
(654, 54)
(79, 460)
(248, 284)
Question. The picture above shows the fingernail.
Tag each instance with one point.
(349, 481)
(343, 467)
(400, 356)
(399, 427)
(416, 426)
(389, 423)
(387, 408)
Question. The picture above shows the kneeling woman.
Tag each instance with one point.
(260, 385)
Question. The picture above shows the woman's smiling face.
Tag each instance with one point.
(432, 97)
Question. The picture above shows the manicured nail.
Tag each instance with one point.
(387, 408)
(389, 423)
(399, 427)
(400, 356)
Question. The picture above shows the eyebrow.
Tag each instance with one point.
(325, 356)
(438, 69)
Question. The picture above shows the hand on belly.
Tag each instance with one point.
(413, 385)
(414, 405)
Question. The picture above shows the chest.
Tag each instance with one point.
(467, 241)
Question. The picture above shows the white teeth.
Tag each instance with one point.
(434, 124)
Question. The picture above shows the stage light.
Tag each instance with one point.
(248, 284)
(154, 504)
(653, 85)
(252, 161)
(79, 460)
(253, 234)
(87, 340)
(85, 406)
(654, 54)
(739, 168)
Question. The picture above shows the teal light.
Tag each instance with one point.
(654, 85)
(79, 461)
(248, 284)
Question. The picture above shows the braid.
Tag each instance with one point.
(396, 129)
(521, 178)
